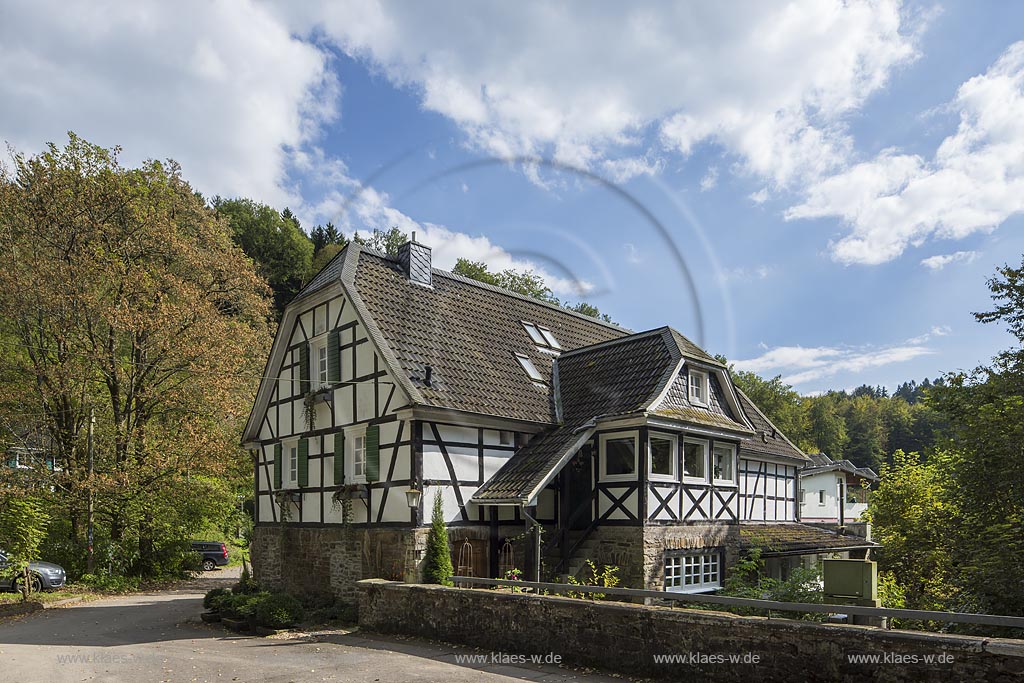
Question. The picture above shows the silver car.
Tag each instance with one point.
(45, 576)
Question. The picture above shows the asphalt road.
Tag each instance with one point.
(158, 637)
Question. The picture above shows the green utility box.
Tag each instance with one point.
(851, 582)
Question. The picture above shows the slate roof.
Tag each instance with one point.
(468, 332)
(620, 377)
(790, 538)
(768, 440)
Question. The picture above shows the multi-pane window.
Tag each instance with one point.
(293, 464)
(722, 461)
(663, 456)
(695, 459)
(321, 365)
(693, 573)
(698, 387)
(359, 457)
(618, 456)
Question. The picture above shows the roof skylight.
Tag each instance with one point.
(543, 337)
(549, 338)
(530, 368)
(535, 334)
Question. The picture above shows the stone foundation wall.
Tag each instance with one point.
(625, 638)
(658, 539)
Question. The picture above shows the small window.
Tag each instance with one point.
(359, 457)
(801, 496)
(693, 573)
(535, 334)
(722, 461)
(530, 368)
(505, 438)
(695, 455)
(293, 464)
(663, 456)
(318, 360)
(618, 456)
(698, 387)
(550, 338)
(821, 496)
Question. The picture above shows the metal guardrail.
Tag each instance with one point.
(770, 605)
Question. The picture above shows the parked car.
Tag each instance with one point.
(215, 554)
(45, 576)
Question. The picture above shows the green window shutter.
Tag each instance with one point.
(304, 368)
(339, 458)
(333, 357)
(372, 453)
(303, 462)
(277, 466)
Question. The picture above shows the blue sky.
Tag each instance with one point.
(839, 179)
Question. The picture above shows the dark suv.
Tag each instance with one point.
(215, 554)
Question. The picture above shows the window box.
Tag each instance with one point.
(618, 456)
(352, 492)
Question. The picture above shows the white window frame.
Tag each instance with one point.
(821, 497)
(707, 461)
(290, 464)
(317, 345)
(531, 370)
(535, 334)
(549, 338)
(732, 459)
(615, 436)
(673, 475)
(705, 388)
(355, 446)
(693, 572)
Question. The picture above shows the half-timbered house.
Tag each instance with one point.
(390, 380)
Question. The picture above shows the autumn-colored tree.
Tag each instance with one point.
(122, 294)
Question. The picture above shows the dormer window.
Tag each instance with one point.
(698, 387)
(543, 337)
(530, 368)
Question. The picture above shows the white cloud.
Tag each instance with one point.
(760, 197)
(941, 261)
(223, 88)
(742, 274)
(710, 179)
(769, 82)
(936, 331)
(974, 181)
(798, 364)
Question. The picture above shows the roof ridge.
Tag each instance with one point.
(618, 340)
(506, 292)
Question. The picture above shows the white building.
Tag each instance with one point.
(834, 491)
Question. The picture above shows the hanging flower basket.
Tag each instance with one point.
(351, 491)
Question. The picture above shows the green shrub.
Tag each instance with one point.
(110, 583)
(246, 584)
(246, 604)
(221, 602)
(212, 595)
(278, 610)
(437, 567)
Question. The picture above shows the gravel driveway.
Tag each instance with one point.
(158, 637)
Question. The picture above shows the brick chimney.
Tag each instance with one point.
(414, 258)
